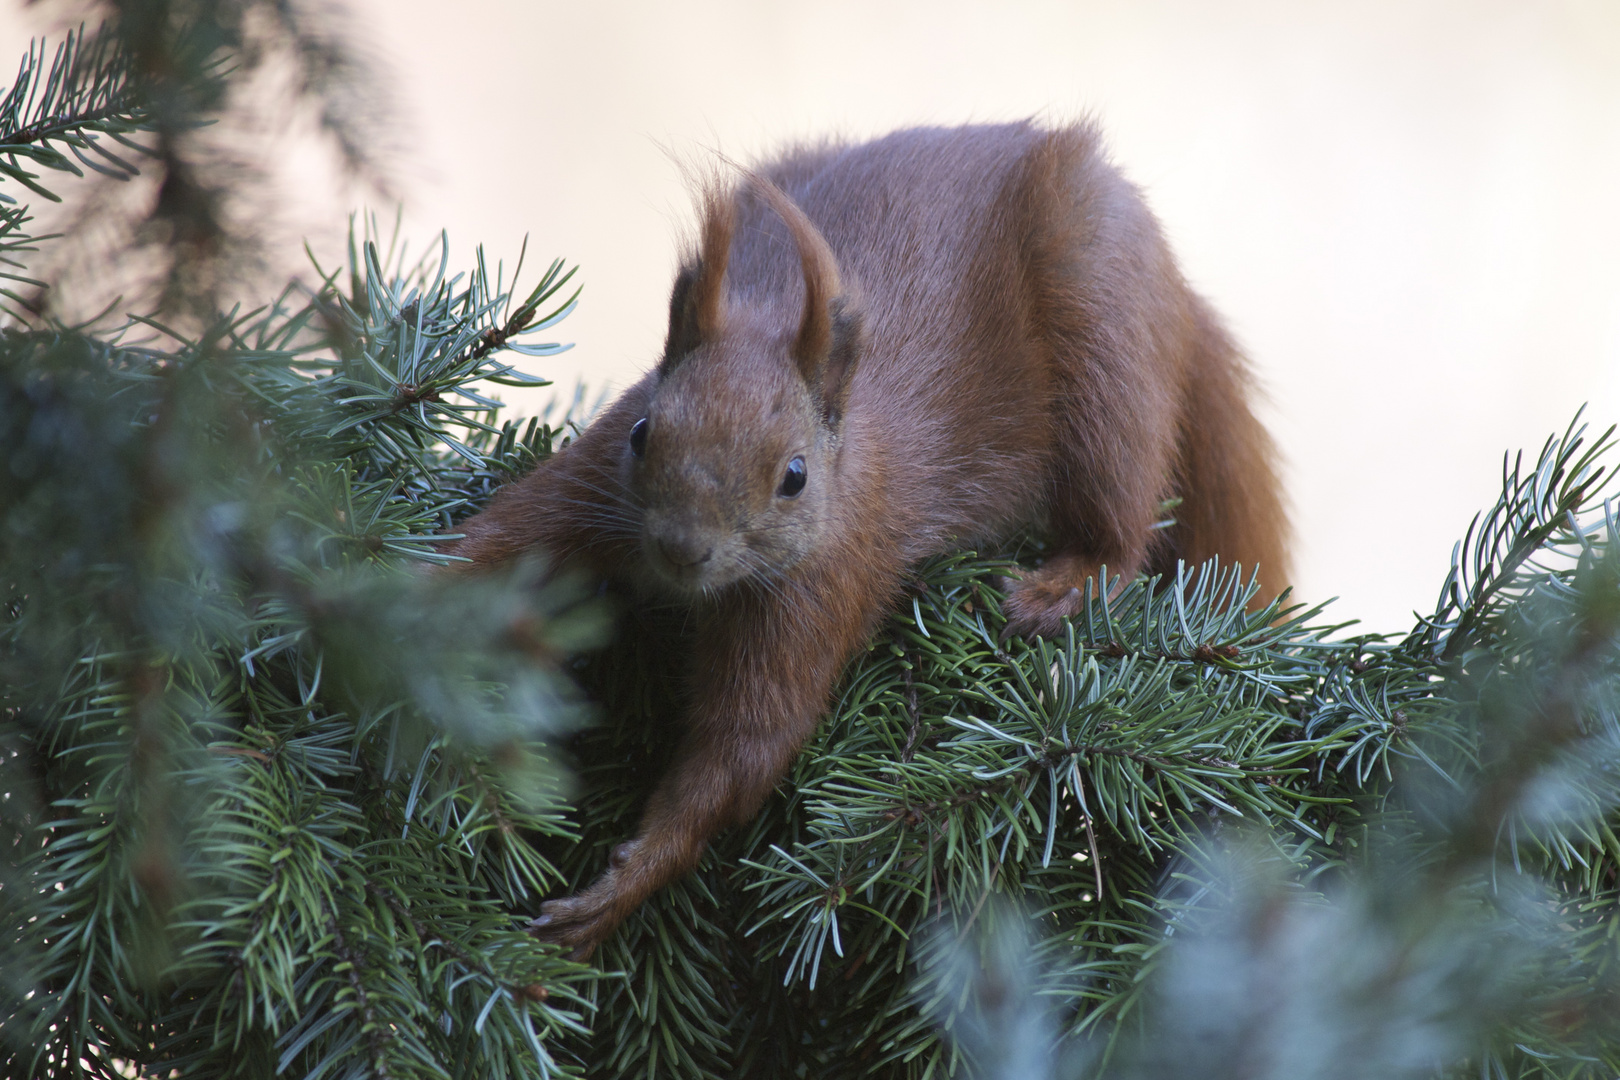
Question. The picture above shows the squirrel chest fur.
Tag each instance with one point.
(878, 352)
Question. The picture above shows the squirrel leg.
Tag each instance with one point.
(761, 682)
(1102, 516)
(701, 795)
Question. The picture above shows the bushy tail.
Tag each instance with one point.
(1231, 500)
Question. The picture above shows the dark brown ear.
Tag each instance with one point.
(828, 342)
(697, 302)
(842, 355)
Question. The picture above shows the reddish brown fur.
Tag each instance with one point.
(960, 332)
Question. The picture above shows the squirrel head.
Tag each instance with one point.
(735, 463)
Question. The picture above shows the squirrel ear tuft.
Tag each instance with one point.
(828, 342)
(697, 302)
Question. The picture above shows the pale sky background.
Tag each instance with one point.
(1408, 211)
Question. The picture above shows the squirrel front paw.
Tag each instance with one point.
(583, 921)
(578, 923)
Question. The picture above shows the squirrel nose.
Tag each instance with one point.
(683, 553)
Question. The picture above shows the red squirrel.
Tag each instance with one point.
(878, 352)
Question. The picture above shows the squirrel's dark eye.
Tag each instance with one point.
(638, 437)
(793, 479)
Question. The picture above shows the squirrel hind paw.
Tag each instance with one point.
(1039, 600)
(1038, 612)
